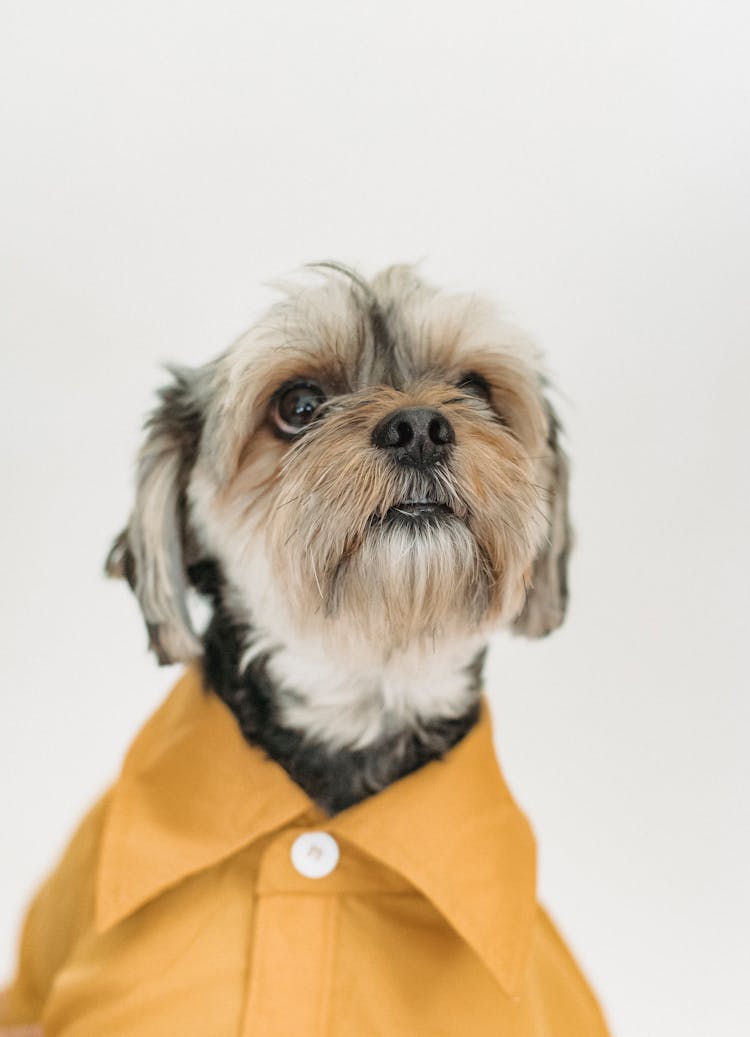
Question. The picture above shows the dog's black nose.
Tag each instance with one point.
(417, 436)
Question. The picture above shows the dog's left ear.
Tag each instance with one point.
(150, 553)
(547, 596)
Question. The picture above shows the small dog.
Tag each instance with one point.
(362, 488)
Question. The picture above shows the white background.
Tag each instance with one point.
(586, 163)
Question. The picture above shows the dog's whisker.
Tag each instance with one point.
(286, 503)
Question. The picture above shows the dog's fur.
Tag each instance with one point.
(353, 576)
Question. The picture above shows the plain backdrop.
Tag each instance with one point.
(588, 165)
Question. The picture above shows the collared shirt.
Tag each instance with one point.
(207, 896)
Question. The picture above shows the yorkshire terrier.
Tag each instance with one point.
(362, 489)
(364, 486)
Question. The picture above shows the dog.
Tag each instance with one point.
(363, 488)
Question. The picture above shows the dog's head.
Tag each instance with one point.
(373, 461)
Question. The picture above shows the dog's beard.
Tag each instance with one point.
(398, 557)
(411, 579)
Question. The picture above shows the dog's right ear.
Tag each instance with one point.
(150, 553)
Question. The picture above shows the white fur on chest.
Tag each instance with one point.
(345, 699)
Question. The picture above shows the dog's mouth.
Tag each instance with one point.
(421, 502)
(414, 512)
(416, 509)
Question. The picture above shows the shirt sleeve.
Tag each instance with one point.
(61, 911)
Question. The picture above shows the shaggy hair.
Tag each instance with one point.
(354, 566)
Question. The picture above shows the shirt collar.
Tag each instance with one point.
(192, 792)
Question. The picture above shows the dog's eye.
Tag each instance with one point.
(475, 384)
(295, 406)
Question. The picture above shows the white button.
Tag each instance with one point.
(315, 854)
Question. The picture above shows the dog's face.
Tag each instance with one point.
(373, 463)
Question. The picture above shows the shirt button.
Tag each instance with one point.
(315, 854)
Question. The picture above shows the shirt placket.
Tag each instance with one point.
(294, 936)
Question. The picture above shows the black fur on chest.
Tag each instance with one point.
(334, 779)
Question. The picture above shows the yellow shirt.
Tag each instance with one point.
(185, 905)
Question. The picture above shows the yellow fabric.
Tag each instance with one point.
(177, 910)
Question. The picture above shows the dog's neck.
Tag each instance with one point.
(343, 727)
